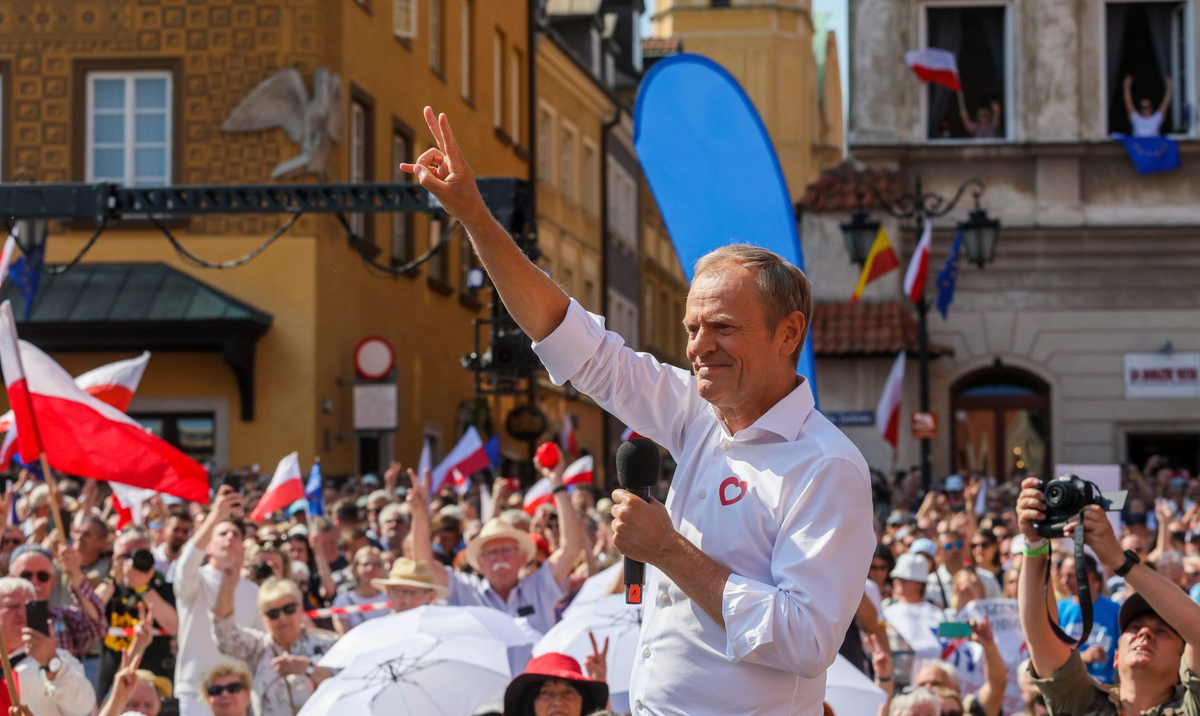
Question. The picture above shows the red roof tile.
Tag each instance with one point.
(866, 329)
(846, 187)
(656, 46)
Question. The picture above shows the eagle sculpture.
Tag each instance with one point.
(281, 100)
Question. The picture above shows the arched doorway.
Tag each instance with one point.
(1001, 423)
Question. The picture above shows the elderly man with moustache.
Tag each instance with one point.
(760, 553)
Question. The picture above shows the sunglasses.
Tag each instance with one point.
(952, 545)
(288, 609)
(12, 542)
(235, 688)
(42, 577)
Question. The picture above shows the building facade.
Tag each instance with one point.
(251, 363)
(1078, 343)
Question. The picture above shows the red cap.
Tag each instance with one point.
(548, 455)
(543, 547)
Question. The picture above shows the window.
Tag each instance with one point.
(545, 144)
(194, 434)
(468, 262)
(436, 40)
(468, 36)
(597, 52)
(500, 94)
(360, 160)
(648, 313)
(1001, 423)
(402, 234)
(1148, 42)
(516, 82)
(978, 36)
(129, 128)
(622, 204)
(591, 177)
(439, 264)
(568, 180)
(404, 18)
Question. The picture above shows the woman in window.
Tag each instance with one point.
(1145, 120)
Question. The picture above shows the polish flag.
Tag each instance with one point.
(82, 435)
(887, 414)
(129, 502)
(114, 384)
(6, 256)
(540, 494)
(579, 472)
(918, 267)
(567, 436)
(468, 457)
(629, 434)
(287, 486)
(939, 67)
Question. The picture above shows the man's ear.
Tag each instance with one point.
(793, 328)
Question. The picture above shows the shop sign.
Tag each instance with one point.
(924, 426)
(376, 406)
(1162, 375)
(852, 418)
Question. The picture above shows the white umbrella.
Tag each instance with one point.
(612, 619)
(596, 587)
(440, 621)
(425, 676)
(849, 692)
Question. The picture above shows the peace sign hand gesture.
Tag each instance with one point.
(445, 173)
(596, 664)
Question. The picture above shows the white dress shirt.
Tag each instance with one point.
(785, 505)
(69, 694)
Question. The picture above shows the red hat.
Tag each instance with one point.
(543, 547)
(518, 698)
(547, 455)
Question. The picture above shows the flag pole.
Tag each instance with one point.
(9, 680)
(53, 486)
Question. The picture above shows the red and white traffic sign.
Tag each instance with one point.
(374, 358)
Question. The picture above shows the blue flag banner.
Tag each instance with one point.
(948, 276)
(1151, 154)
(313, 492)
(712, 167)
(26, 273)
(492, 448)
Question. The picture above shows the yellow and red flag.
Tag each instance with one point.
(880, 260)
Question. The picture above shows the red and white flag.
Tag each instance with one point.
(540, 494)
(82, 435)
(468, 457)
(287, 486)
(629, 434)
(939, 67)
(918, 267)
(10, 246)
(580, 471)
(567, 436)
(114, 383)
(129, 502)
(887, 414)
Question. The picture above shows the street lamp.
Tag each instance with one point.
(979, 235)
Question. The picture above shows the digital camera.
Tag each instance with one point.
(1066, 496)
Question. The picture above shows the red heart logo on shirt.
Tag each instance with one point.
(732, 482)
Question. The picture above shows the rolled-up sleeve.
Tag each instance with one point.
(654, 399)
(71, 691)
(818, 565)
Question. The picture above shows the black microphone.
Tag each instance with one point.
(637, 471)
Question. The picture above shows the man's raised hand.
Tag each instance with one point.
(445, 173)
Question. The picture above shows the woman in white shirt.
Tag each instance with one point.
(1145, 120)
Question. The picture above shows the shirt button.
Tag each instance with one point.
(645, 653)
(637, 705)
(703, 494)
(726, 446)
(666, 598)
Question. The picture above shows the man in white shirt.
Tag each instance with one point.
(219, 538)
(1146, 121)
(760, 553)
(50, 680)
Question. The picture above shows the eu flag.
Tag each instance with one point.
(1151, 154)
(26, 273)
(313, 492)
(948, 275)
(492, 448)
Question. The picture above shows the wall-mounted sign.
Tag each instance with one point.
(374, 358)
(376, 406)
(525, 422)
(924, 426)
(1162, 375)
(852, 418)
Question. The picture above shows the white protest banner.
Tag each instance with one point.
(1106, 477)
(1006, 630)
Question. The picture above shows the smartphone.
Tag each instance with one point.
(37, 616)
(954, 630)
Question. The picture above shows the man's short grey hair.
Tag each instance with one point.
(783, 289)
(380, 495)
(1169, 558)
(131, 533)
(23, 588)
(395, 509)
(950, 671)
(516, 518)
(903, 704)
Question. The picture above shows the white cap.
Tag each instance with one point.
(911, 567)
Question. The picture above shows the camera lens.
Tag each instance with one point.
(1057, 495)
(143, 560)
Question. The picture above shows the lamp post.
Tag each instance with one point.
(979, 235)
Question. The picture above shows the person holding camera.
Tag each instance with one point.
(1159, 627)
(132, 583)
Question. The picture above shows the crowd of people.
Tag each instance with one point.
(197, 611)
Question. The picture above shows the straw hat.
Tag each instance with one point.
(410, 573)
(499, 529)
(162, 685)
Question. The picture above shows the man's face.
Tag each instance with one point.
(394, 529)
(178, 533)
(500, 561)
(932, 677)
(950, 547)
(731, 348)
(298, 550)
(367, 567)
(326, 544)
(1148, 648)
(90, 539)
(405, 598)
(13, 538)
(38, 570)
(12, 617)
(144, 700)
(226, 542)
(447, 539)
